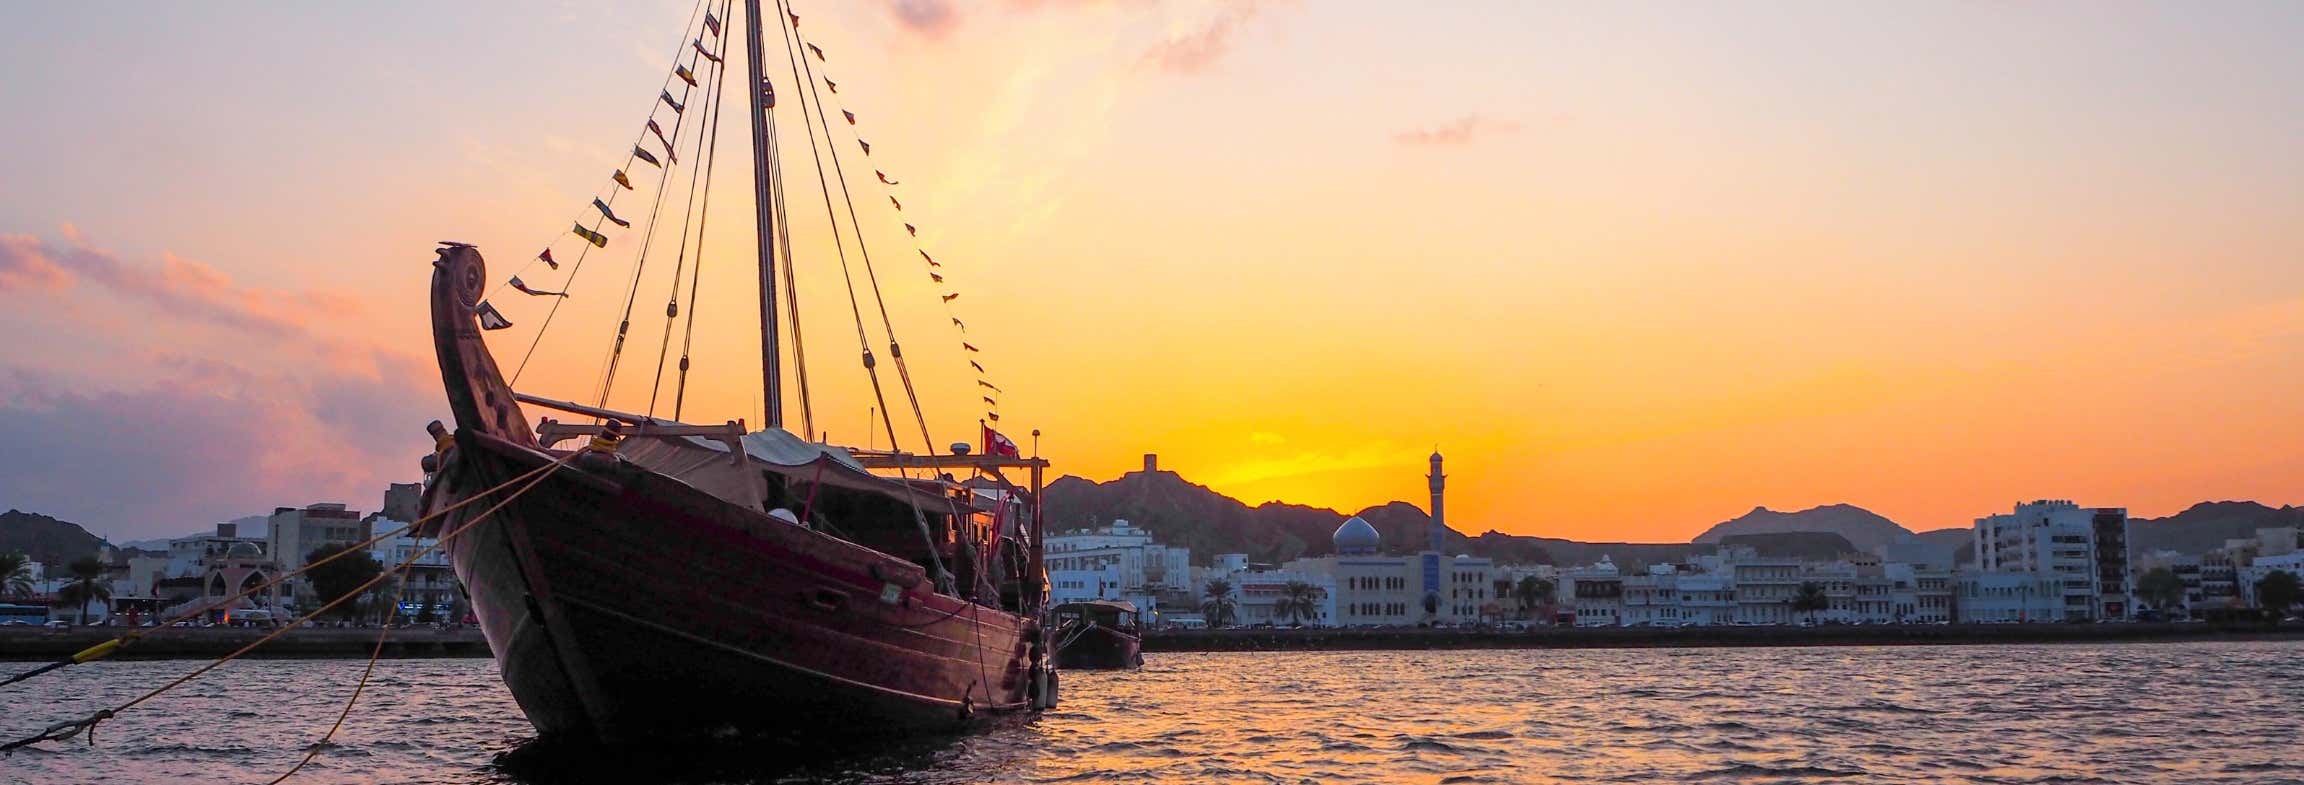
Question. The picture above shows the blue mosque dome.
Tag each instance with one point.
(1357, 538)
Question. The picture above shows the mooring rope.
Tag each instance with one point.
(68, 729)
(106, 648)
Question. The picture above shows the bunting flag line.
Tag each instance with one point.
(994, 415)
(969, 346)
(546, 257)
(883, 177)
(947, 298)
(986, 385)
(960, 324)
(937, 277)
(669, 153)
(676, 107)
(850, 115)
(490, 319)
(899, 205)
(644, 155)
(931, 260)
(610, 214)
(684, 74)
(818, 50)
(597, 239)
(712, 23)
(622, 180)
(834, 86)
(976, 365)
(866, 145)
(516, 284)
(700, 51)
(911, 231)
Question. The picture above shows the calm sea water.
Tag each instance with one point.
(2143, 713)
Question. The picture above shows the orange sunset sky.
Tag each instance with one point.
(1635, 268)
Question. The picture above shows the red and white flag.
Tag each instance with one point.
(996, 444)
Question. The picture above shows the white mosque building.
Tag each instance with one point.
(1422, 588)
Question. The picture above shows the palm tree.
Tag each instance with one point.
(1811, 599)
(15, 575)
(1218, 606)
(1532, 592)
(1299, 601)
(88, 585)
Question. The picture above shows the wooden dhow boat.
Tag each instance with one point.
(670, 578)
(1098, 634)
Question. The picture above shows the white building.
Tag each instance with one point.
(292, 534)
(429, 583)
(2291, 562)
(2077, 557)
(1118, 562)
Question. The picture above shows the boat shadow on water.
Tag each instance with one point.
(750, 758)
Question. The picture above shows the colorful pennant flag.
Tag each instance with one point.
(976, 365)
(712, 23)
(795, 19)
(952, 296)
(960, 324)
(610, 214)
(899, 205)
(546, 256)
(850, 115)
(969, 346)
(911, 231)
(622, 180)
(986, 385)
(931, 260)
(994, 415)
(818, 50)
(516, 284)
(937, 277)
(676, 107)
(883, 177)
(597, 239)
(684, 74)
(644, 155)
(989, 402)
(669, 153)
(699, 44)
(866, 145)
(490, 319)
(835, 86)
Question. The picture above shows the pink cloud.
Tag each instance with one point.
(26, 265)
(1460, 131)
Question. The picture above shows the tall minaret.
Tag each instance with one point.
(1439, 514)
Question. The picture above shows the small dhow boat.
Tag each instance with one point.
(658, 577)
(1098, 634)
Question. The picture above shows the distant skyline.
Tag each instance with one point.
(1635, 268)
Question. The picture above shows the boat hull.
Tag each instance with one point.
(618, 611)
(1099, 648)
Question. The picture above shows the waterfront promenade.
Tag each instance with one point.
(1312, 639)
(34, 644)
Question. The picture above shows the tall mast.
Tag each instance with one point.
(764, 99)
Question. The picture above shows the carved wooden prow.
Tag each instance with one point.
(477, 394)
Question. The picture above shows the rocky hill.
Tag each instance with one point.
(2205, 526)
(1863, 528)
(45, 539)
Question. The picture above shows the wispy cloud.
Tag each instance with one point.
(1460, 131)
(1195, 50)
(929, 18)
(179, 286)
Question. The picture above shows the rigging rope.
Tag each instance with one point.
(696, 281)
(577, 266)
(702, 169)
(648, 236)
(864, 251)
(791, 283)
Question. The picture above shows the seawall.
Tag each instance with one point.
(35, 643)
(1636, 637)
